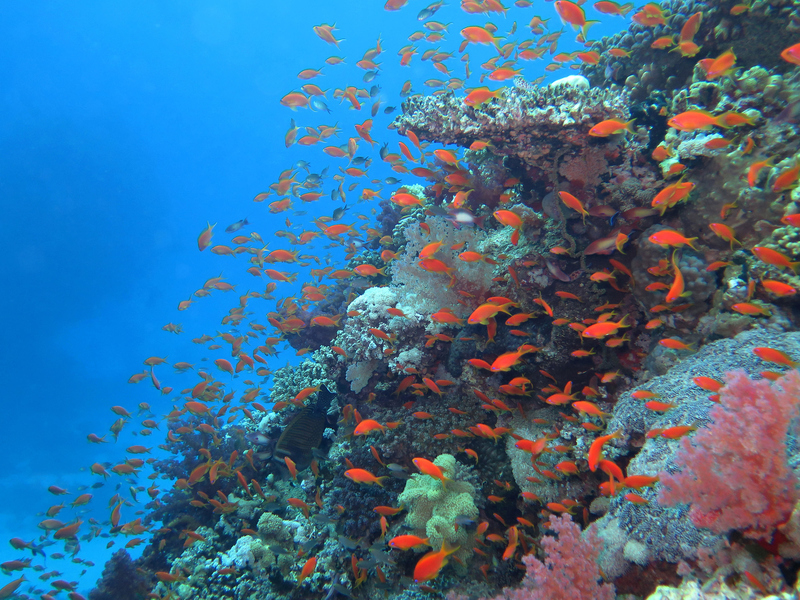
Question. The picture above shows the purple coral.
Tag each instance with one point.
(570, 570)
(735, 473)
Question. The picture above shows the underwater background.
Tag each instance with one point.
(398, 300)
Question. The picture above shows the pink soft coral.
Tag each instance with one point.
(569, 572)
(735, 472)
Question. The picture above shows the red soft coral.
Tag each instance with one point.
(569, 572)
(735, 472)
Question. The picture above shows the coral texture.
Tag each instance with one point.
(570, 570)
(735, 473)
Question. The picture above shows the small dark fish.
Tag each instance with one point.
(299, 213)
(369, 76)
(347, 543)
(389, 110)
(308, 545)
(613, 218)
(384, 151)
(381, 556)
(236, 226)
(338, 213)
(424, 14)
(272, 506)
(338, 588)
(391, 181)
(358, 160)
(464, 521)
(394, 467)
(374, 91)
(367, 563)
(302, 164)
(318, 104)
(335, 194)
(314, 178)
(277, 550)
(322, 519)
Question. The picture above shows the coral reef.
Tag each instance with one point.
(666, 532)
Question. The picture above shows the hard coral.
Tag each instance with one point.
(537, 124)
(122, 580)
(735, 473)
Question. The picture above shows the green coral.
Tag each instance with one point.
(274, 533)
(433, 508)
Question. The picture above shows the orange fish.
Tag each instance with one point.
(574, 15)
(773, 355)
(719, 264)
(725, 232)
(774, 258)
(637, 482)
(778, 288)
(204, 239)
(755, 169)
(590, 408)
(364, 476)
(673, 433)
(670, 238)
(600, 330)
(787, 179)
(290, 464)
(611, 127)
(511, 219)
(478, 35)
(792, 54)
(307, 570)
(573, 203)
(367, 426)
(722, 65)
(596, 449)
(406, 542)
(656, 405)
(428, 468)
(428, 566)
(644, 395)
(676, 291)
(748, 308)
(708, 384)
(482, 314)
(613, 8)
(674, 344)
(693, 120)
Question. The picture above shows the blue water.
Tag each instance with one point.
(125, 128)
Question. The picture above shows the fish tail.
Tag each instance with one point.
(721, 122)
(586, 25)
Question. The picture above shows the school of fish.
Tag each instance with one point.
(204, 402)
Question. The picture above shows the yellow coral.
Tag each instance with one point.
(433, 508)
